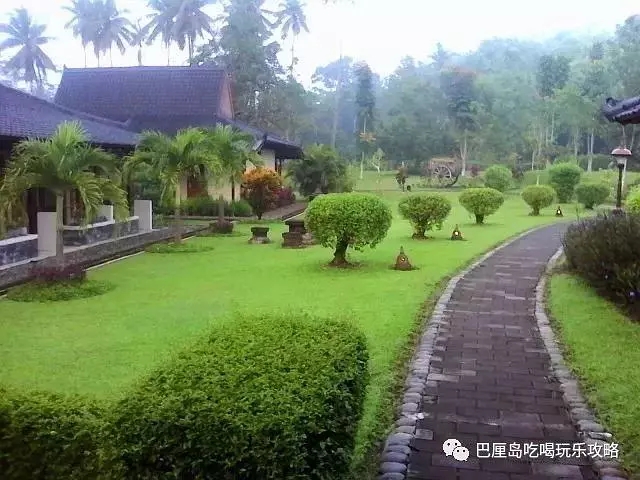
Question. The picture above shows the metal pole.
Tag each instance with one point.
(619, 198)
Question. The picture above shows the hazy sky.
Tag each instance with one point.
(380, 32)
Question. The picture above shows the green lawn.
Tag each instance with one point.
(101, 345)
(602, 348)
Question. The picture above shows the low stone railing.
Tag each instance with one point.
(73, 235)
(18, 249)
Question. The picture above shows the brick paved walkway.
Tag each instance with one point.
(489, 376)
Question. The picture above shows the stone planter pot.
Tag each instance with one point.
(292, 240)
(296, 226)
(260, 235)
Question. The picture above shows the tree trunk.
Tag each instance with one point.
(67, 208)
(111, 57)
(364, 131)
(221, 209)
(98, 57)
(140, 55)
(336, 107)
(576, 142)
(178, 216)
(233, 190)
(463, 154)
(340, 254)
(293, 57)
(84, 49)
(591, 142)
(479, 219)
(168, 54)
(59, 229)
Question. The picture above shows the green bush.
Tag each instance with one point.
(605, 251)
(498, 177)
(262, 398)
(564, 177)
(182, 247)
(630, 187)
(239, 208)
(632, 203)
(592, 194)
(49, 437)
(340, 220)
(425, 212)
(538, 197)
(206, 206)
(481, 202)
(58, 291)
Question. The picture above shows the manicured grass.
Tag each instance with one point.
(602, 350)
(101, 345)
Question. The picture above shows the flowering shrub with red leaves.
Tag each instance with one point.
(59, 273)
(285, 197)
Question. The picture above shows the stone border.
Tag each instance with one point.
(395, 456)
(589, 430)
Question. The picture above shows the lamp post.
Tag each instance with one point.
(620, 154)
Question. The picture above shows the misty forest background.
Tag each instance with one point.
(516, 102)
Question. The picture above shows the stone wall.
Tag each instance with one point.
(90, 255)
(17, 249)
(98, 232)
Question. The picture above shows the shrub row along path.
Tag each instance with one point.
(490, 379)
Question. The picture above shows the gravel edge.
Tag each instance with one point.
(589, 430)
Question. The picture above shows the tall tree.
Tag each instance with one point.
(440, 57)
(139, 34)
(244, 49)
(113, 28)
(191, 23)
(30, 63)
(290, 18)
(459, 88)
(365, 101)
(84, 22)
(162, 23)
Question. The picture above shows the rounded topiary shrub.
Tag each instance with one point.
(481, 202)
(425, 212)
(632, 203)
(564, 177)
(498, 177)
(263, 397)
(592, 194)
(343, 220)
(538, 197)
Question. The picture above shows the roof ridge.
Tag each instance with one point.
(75, 113)
(146, 67)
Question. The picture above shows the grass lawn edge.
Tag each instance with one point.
(368, 464)
(590, 381)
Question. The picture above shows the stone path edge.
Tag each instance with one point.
(395, 455)
(589, 430)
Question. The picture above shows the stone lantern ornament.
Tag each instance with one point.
(456, 234)
(559, 212)
(621, 154)
(402, 262)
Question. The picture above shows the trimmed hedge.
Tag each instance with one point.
(538, 197)
(208, 207)
(262, 398)
(49, 437)
(592, 194)
(425, 212)
(605, 251)
(481, 202)
(564, 177)
(498, 177)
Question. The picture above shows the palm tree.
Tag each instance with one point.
(162, 22)
(62, 164)
(291, 19)
(84, 22)
(190, 23)
(189, 153)
(139, 35)
(30, 63)
(235, 150)
(113, 29)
